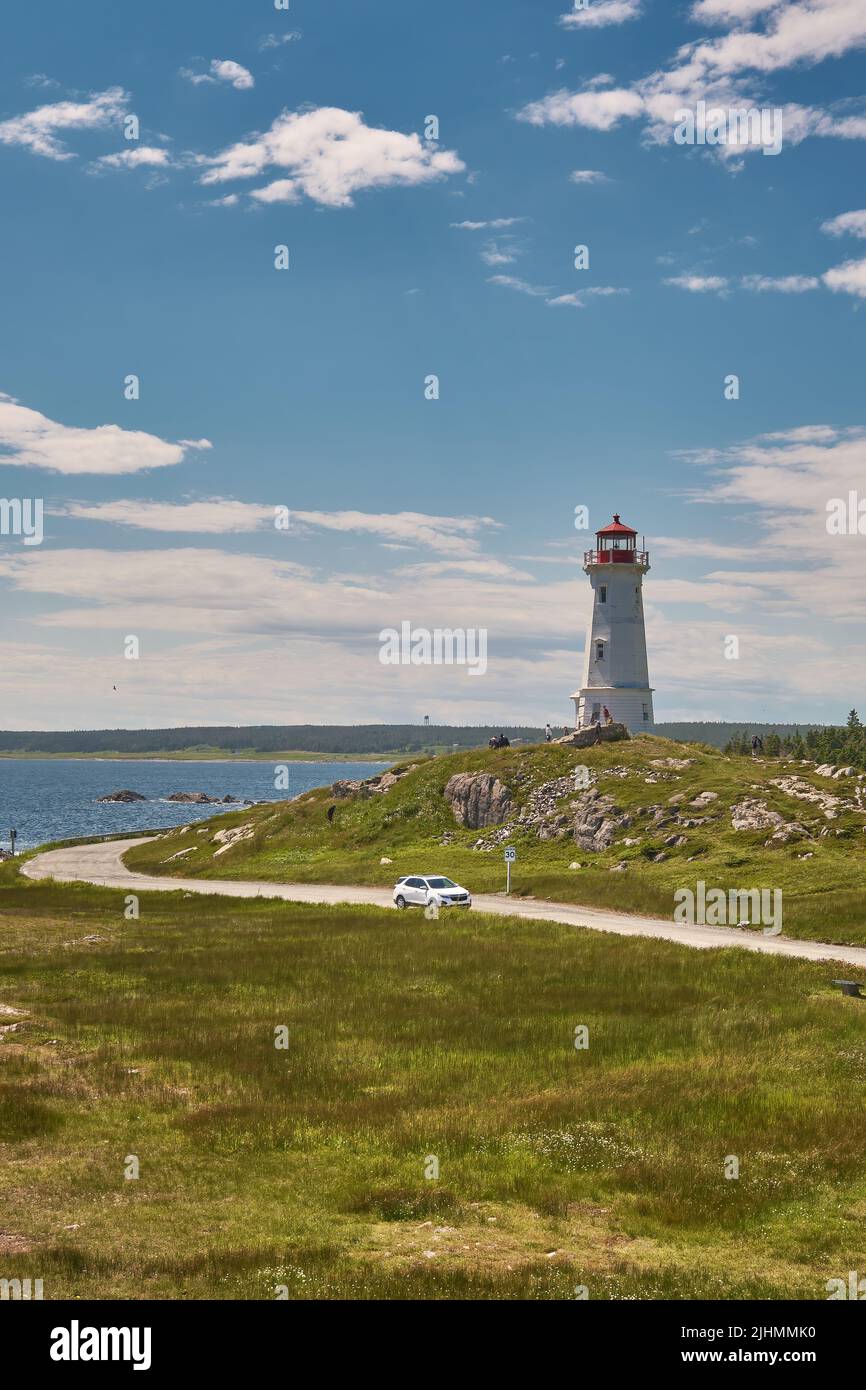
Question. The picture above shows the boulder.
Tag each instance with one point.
(597, 733)
(194, 798)
(347, 788)
(232, 836)
(478, 799)
(595, 821)
(751, 814)
(125, 795)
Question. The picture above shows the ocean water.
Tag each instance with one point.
(56, 798)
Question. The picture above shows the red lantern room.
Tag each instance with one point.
(616, 544)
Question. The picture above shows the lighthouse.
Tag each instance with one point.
(615, 675)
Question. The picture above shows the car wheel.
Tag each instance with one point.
(401, 901)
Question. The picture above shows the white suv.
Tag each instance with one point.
(431, 889)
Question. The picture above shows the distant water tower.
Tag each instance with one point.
(615, 675)
(426, 719)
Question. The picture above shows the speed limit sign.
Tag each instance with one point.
(510, 856)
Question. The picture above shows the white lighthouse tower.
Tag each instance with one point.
(615, 676)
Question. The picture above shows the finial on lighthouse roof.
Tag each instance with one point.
(616, 516)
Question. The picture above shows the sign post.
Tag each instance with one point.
(510, 856)
(13, 836)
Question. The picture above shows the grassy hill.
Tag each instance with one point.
(648, 784)
(306, 1167)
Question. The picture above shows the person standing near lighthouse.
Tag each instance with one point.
(616, 684)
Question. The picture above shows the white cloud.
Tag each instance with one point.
(277, 40)
(496, 224)
(136, 157)
(846, 224)
(693, 547)
(726, 71)
(222, 70)
(782, 284)
(494, 254)
(330, 155)
(571, 301)
(488, 567)
(457, 535)
(212, 516)
(600, 13)
(597, 110)
(805, 32)
(446, 534)
(848, 278)
(31, 440)
(226, 70)
(732, 11)
(576, 300)
(698, 284)
(588, 176)
(512, 282)
(39, 130)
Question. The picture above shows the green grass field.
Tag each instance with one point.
(304, 1168)
(412, 825)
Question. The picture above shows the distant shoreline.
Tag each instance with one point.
(183, 756)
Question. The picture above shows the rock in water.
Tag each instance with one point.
(125, 795)
(478, 799)
(198, 798)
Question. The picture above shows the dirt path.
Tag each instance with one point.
(102, 864)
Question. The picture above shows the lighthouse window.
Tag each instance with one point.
(646, 714)
(602, 594)
(599, 651)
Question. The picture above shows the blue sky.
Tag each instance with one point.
(305, 388)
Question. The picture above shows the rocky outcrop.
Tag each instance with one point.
(596, 821)
(371, 786)
(598, 733)
(194, 798)
(124, 796)
(226, 838)
(345, 788)
(752, 814)
(179, 854)
(478, 799)
(829, 805)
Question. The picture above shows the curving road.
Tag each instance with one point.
(102, 864)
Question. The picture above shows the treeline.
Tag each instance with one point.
(349, 739)
(266, 738)
(718, 733)
(828, 744)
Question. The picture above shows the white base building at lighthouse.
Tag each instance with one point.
(616, 684)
